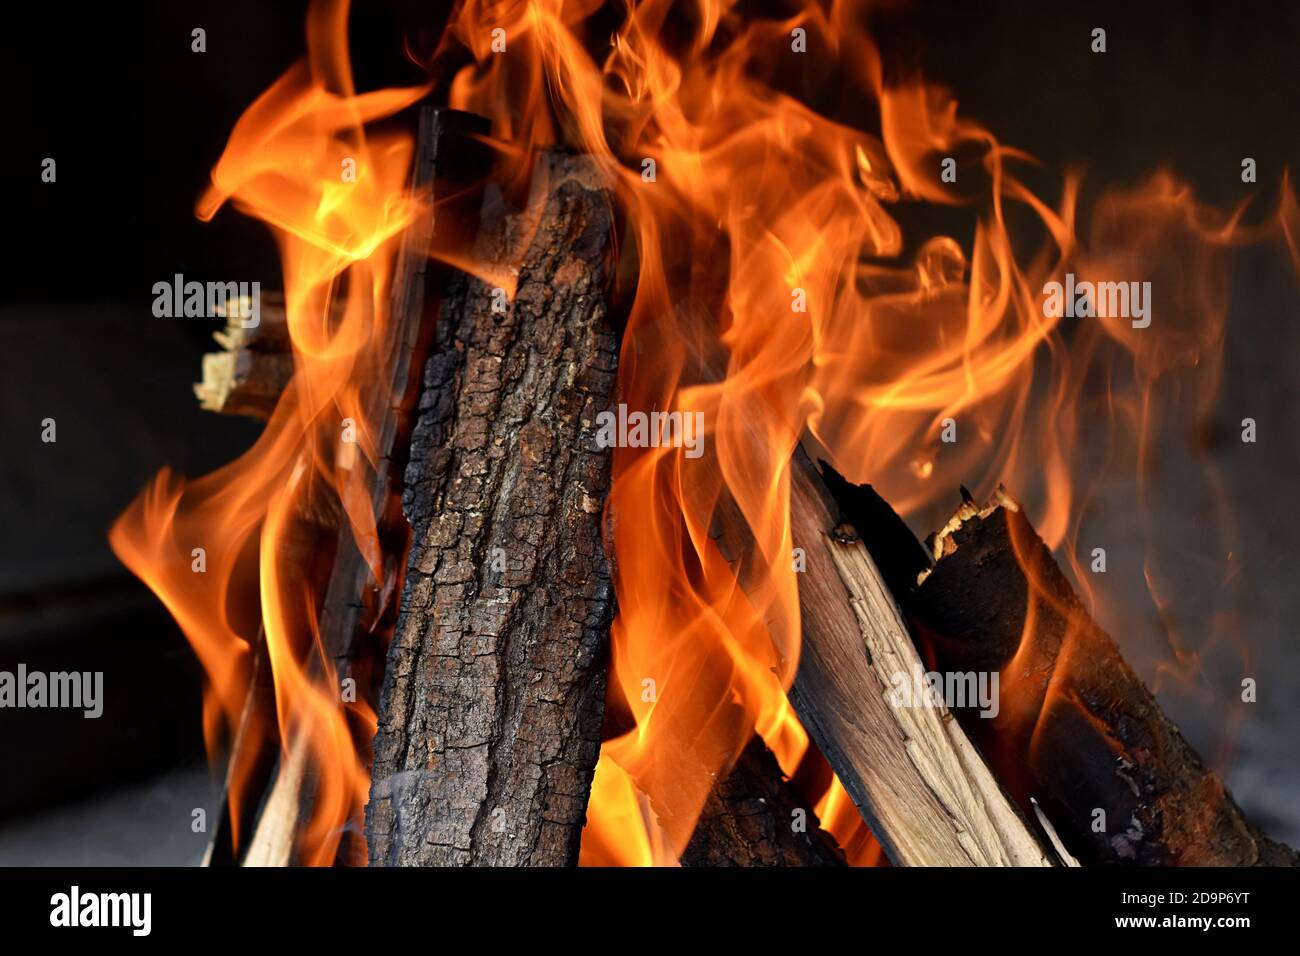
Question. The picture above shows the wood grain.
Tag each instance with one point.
(920, 785)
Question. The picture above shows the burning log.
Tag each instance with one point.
(752, 818)
(1080, 731)
(920, 784)
(472, 351)
(490, 718)
(354, 603)
(492, 707)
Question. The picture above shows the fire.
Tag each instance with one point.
(756, 223)
(285, 164)
(771, 297)
(775, 293)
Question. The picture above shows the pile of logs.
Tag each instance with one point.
(491, 692)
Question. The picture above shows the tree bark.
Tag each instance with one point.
(1077, 728)
(752, 818)
(491, 709)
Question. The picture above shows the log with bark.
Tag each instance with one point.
(1077, 727)
(491, 713)
(754, 818)
(490, 717)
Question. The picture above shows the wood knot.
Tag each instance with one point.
(844, 533)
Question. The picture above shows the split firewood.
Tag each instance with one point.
(754, 818)
(973, 616)
(490, 717)
(921, 786)
(1077, 728)
(254, 366)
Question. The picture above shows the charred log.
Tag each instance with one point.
(490, 715)
(1080, 731)
(754, 818)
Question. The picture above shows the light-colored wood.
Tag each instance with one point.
(254, 366)
(243, 382)
(1067, 858)
(277, 825)
(920, 784)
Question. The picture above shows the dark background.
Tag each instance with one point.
(134, 120)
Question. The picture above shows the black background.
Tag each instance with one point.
(135, 119)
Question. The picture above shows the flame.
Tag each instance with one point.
(337, 235)
(775, 293)
(751, 217)
(1158, 383)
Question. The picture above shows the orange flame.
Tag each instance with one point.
(285, 164)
